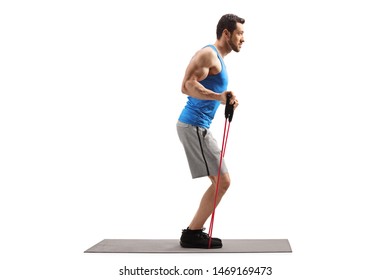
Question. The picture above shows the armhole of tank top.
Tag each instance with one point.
(219, 57)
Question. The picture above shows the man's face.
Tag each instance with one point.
(237, 38)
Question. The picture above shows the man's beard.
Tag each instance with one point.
(233, 46)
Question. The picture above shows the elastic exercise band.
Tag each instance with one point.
(229, 109)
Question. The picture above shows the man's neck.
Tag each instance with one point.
(222, 48)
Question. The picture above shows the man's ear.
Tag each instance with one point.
(226, 33)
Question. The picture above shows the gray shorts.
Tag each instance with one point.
(202, 151)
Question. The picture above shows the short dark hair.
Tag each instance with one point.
(229, 22)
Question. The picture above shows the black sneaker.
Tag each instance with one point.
(198, 239)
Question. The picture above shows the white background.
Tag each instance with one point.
(90, 95)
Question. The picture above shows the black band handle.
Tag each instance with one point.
(229, 108)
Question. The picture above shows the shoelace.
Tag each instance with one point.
(204, 235)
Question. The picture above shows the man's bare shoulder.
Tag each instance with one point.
(206, 57)
(207, 52)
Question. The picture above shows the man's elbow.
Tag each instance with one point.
(184, 89)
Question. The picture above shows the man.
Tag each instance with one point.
(205, 82)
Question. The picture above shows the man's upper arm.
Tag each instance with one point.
(199, 67)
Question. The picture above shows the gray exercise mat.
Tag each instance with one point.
(173, 246)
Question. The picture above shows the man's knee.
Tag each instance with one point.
(224, 183)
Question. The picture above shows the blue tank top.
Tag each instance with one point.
(199, 112)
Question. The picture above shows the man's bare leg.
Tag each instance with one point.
(206, 206)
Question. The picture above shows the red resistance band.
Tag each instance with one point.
(229, 109)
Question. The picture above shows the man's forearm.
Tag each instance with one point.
(197, 90)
